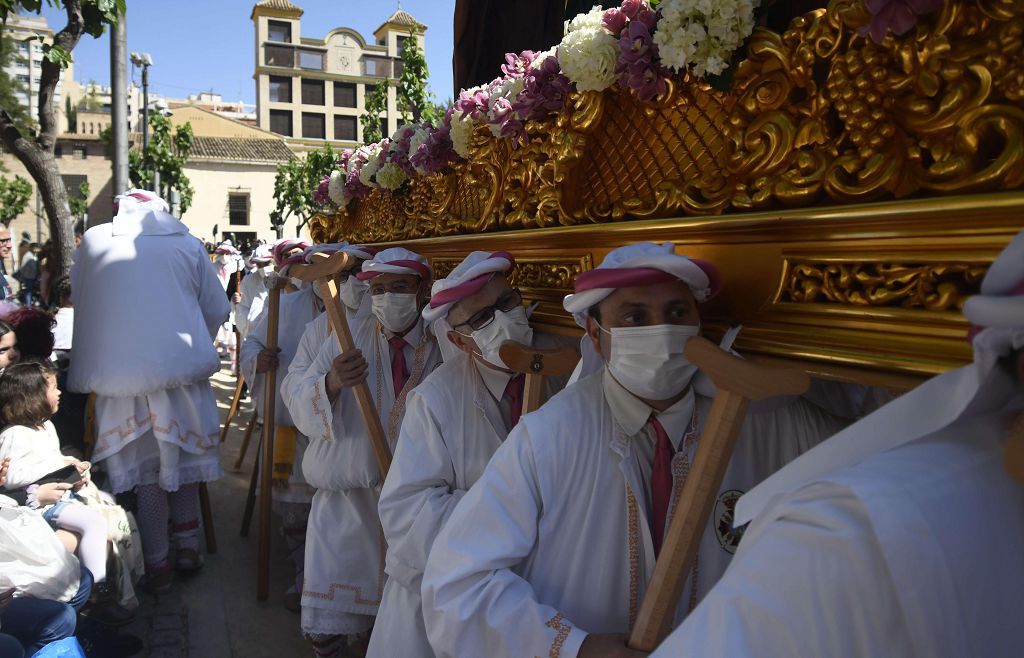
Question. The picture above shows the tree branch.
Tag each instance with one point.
(50, 75)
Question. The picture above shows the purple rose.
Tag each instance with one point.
(896, 16)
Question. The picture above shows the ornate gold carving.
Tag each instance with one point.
(816, 115)
(929, 286)
(532, 273)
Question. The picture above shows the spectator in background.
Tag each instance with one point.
(5, 253)
(28, 274)
(70, 418)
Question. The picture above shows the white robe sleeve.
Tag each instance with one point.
(305, 353)
(417, 497)
(212, 300)
(305, 395)
(474, 602)
(810, 581)
(251, 348)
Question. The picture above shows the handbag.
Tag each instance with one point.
(32, 559)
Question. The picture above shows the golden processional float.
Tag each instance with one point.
(852, 192)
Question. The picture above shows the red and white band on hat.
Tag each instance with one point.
(356, 250)
(469, 276)
(395, 260)
(282, 247)
(137, 197)
(226, 248)
(261, 255)
(642, 264)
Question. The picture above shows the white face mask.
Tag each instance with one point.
(352, 292)
(396, 311)
(649, 361)
(505, 326)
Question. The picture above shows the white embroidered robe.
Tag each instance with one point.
(553, 541)
(344, 542)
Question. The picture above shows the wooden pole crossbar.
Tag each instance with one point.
(325, 273)
(738, 381)
(537, 364)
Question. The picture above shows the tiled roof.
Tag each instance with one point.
(401, 17)
(235, 148)
(280, 5)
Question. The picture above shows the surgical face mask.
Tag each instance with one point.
(649, 361)
(507, 325)
(352, 292)
(396, 311)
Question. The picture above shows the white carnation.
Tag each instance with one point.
(462, 135)
(390, 176)
(590, 20)
(336, 188)
(538, 61)
(588, 56)
(371, 166)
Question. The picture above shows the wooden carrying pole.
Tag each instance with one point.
(233, 409)
(537, 364)
(738, 381)
(267, 456)
(245, 440)
(324, 273)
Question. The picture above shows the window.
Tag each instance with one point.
(313, 92)
(279, 56)
(368, 92)
(238, 209)
(345, 128)
(243, 240)
(384, 128)
(23, 78)
(399, 67)
(377, 67)
(79, 152)
(344, 94)
(23, 47)
(401, 45)
(280, 89)
(279, 31)
(313, 61)
(314, 125)
(281, 122)
(73, 184)
(58, 150)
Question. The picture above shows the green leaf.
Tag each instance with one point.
(57, 55)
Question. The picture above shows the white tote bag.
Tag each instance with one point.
(32, 559)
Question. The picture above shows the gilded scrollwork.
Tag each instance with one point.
(533, 273)
(928, 286)
(816, 115)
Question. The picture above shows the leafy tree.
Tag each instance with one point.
(14, 197)
(79, 200)
(165, 154)
(71, 112)
(414, 100)
(11, 87)
(34, 147)
(376, 103)
(294, 183)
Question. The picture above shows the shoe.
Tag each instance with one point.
(187, 560)
(98, 641)
(293, 600)
(160, 582)
(104, 609)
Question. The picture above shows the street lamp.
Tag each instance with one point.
(144, 61)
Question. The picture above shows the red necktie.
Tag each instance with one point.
(514, 394)
(397, 363)
(661, 482)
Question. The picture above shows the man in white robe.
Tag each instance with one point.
(454, 421)
(147, 305)
(902, 535)
(253, 290)
(551, 550)
(344, 547)
(291, 494)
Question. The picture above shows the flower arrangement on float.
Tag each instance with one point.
(638, 45)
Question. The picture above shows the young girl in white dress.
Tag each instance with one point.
(28, 398)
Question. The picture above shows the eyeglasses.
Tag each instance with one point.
(508, 302)
(7, 241)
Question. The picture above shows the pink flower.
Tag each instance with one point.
(896, 16)
(614, 20)
(637, 67)
(320, 197)
(516, 66)
(545, 89)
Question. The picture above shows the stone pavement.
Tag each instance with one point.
(214, 613)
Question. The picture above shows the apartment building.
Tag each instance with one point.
(313, 90)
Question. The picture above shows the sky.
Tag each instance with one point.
(203, 45)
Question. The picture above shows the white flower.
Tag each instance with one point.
(587, 21)
(462, 135)
(390, 176)
(702, 34)
(371, 166)
(419, 138)
(538, 61)
(336, 188)
(588, 56)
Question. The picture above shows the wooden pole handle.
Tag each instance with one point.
(267, 457)
(738, 382)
